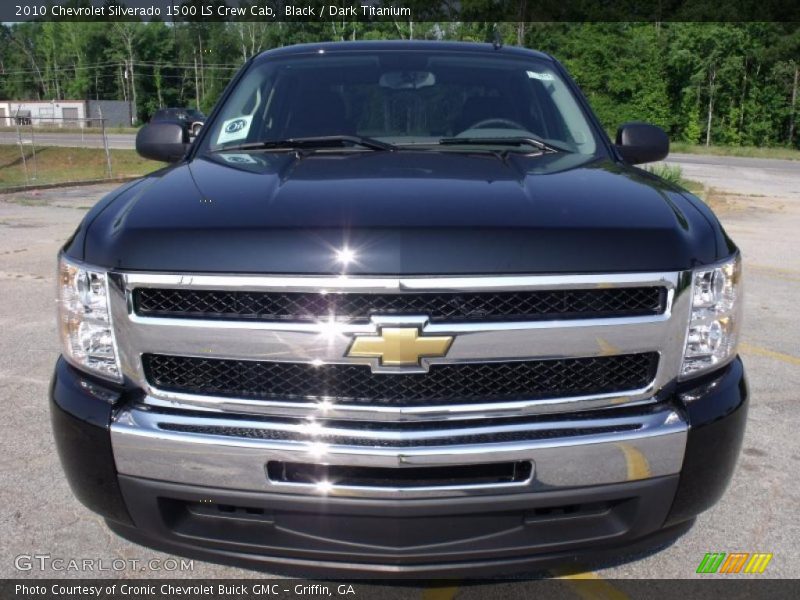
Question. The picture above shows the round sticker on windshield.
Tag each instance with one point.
(234, 129)
(235, 125)
(240, 159)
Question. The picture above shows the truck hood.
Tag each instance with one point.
(401, 213)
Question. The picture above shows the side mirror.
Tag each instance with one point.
(641, 143)
(167, 142)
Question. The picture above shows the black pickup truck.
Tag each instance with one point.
(401, 308)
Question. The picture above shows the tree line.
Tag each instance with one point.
(712, 83)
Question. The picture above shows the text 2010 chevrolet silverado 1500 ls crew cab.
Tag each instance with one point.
(401, 308)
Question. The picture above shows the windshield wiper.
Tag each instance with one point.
(326, 141)
(503, 141)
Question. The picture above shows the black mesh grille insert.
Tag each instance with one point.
(483, 306)
(495, 437)
(443, 384)
(486, 473)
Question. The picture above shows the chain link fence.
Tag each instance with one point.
(44, 150)
(43, 133)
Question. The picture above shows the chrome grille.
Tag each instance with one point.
(359, 307)
(443, 384)
(575, 350)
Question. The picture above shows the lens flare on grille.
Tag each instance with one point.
(324, 486)
(318, 450)
(330, 330)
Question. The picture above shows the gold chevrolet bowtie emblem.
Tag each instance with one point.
(399, 346)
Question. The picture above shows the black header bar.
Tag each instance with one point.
(402, 10)
(741, 587)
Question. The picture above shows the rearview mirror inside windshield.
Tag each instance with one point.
(407, 80)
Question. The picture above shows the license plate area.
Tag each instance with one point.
(450, 476)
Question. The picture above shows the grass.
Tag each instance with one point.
(671, 173)
(745, 151)
(719, 201)
(674, 174)
(61, 165)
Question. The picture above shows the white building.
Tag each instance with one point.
(43, 113)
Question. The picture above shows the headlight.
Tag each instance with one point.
(84, 320)
(714, 324)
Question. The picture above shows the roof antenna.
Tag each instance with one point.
(497, 42)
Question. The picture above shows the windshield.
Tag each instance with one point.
(405, 98)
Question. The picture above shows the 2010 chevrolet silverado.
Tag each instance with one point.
(400, 308)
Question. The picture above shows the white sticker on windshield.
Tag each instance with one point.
(541, 76)
(234, 129)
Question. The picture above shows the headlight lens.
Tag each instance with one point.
(716, 318)
(84, 320)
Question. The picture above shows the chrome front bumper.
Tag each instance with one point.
(234, 451)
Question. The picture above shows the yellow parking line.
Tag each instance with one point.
(777, 272)
(761, 351)
(440, 593)
(590, 586)
(784, 270)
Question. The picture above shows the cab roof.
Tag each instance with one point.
(403, 45)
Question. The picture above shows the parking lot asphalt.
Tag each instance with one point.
(760, 208)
